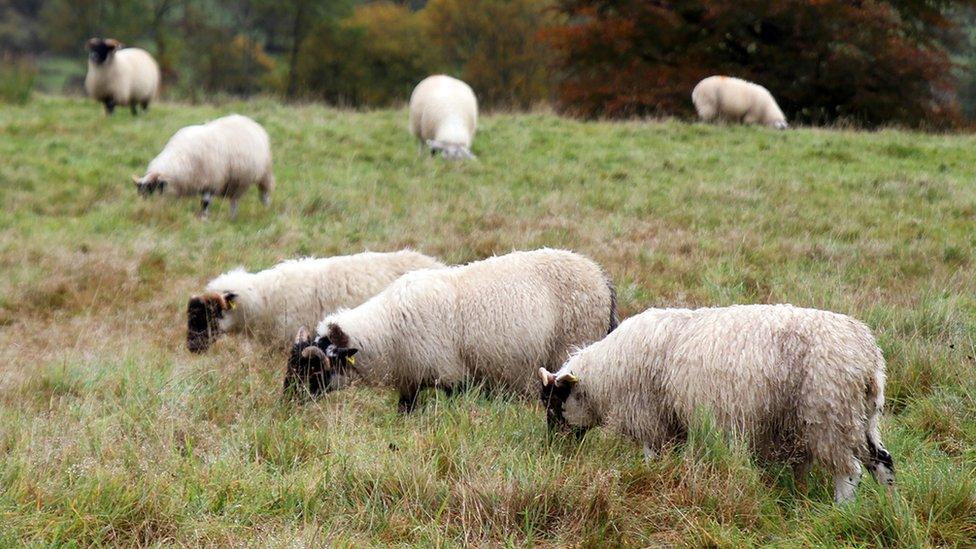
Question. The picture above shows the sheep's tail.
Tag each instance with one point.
(879, 462)
(614, 319)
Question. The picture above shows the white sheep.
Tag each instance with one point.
(444, 116)
(118, 76)
(273, 304)
(736, 100)
(798, 383)
(492, 321)
(220, 158)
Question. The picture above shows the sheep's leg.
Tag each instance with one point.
(109, 106)
(880, 463)
(205, 205)
(233, 208)
(145, 105)
(801, 471)
(845, 483)
(408, 400)
(265, 186)
(134, 107)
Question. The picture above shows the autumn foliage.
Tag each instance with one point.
(866, 62)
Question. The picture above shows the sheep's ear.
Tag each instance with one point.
(546, 377)
(92, 42)
(113, 43)
(136, 179)
(341, 358)
(302, 336)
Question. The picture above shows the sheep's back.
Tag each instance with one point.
(224, 156)
(529, 309)
(142, 73)
(753, 367)
(439, 99)
(300, 292)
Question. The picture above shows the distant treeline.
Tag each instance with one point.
(866, 62)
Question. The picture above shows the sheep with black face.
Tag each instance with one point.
(121, 76)
(492, 321)
(223, 157)
(800, 384)
(271, 305)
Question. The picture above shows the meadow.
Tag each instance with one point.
(111, 432)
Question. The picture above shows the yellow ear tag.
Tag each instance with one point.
(352, 360)
(231, 305)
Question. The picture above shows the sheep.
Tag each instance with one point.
(272, 304)
(801, 384)
(444, 116)
(121, 76)
(489, 322)
(724, 97)
(220, 158)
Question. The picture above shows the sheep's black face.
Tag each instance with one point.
(203, 314)
(317, 367)
(450, 151)
(554, 398)
(556, 393)
(308, 372)
(149, 185)
(99, 50)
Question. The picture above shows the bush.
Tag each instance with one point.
(374, 57)
(496, 47)
(17, 78)
(238, 66)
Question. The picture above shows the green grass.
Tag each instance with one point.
(16, 80)
(112, 433)
(61, 75)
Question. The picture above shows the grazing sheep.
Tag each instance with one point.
(273, 304)
(220, 158)
(733, 99)
(493, 321)
(118, 76)
(444, 116)
(800, 384)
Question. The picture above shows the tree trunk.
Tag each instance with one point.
(297, 35)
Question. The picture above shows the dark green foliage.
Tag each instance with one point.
(17, 78)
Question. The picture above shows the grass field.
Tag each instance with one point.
(112, 433)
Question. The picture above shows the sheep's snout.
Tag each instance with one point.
(450, 151)
(149, 185)
(99, 50)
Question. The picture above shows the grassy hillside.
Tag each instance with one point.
(111, 432)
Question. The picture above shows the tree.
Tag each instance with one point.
(868, 61)
(494, 46)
